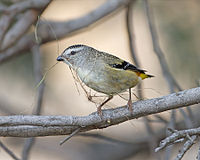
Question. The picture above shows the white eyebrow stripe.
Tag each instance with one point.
(68, 51)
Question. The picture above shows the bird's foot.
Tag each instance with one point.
(130, 107)
(99, 111)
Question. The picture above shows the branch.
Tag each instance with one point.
(24, 5)
(20, 27)
(187, 145)
(62, 29)
(32, 126)
(24, 22)
(5, 22)
(177, 135)
(24, 44)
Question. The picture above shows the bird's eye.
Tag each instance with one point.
(73, 52)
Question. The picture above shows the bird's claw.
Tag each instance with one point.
(129, 105)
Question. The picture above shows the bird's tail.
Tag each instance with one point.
(144, 75)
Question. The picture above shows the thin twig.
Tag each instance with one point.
(71, 135)
(152, 138)
(9, 151)
(171, 126)
(186, 119)
(105, 138)
(198, 155)
(161, 119)
(187, 145)
(177, 135)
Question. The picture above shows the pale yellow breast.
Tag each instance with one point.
(108, 80)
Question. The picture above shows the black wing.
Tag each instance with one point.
(127, 66)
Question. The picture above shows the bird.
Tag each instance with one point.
(103, 72)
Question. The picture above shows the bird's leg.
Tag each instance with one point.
(129, 104)
(99, 107)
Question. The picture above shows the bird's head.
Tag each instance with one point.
(74, 55)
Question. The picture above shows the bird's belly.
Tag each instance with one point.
(108, 82)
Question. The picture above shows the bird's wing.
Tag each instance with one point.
(118, 63)
(121, 64)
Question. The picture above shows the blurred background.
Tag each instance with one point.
(178, 27)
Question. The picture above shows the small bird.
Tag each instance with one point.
(103, 72)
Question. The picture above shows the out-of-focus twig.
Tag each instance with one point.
(132, 46)
(129, 26)
(23, 24)
(172, 84)
(23, 6)
(152, 138)
(37, 64)
(161, 119)
(2, 8)
(19, 28)
(27, 148)
(156, 46)
(106, 138)
(9, 151)
(61, 29)
(5, 22)
(24, 44)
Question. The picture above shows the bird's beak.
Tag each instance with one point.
(60, 58)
